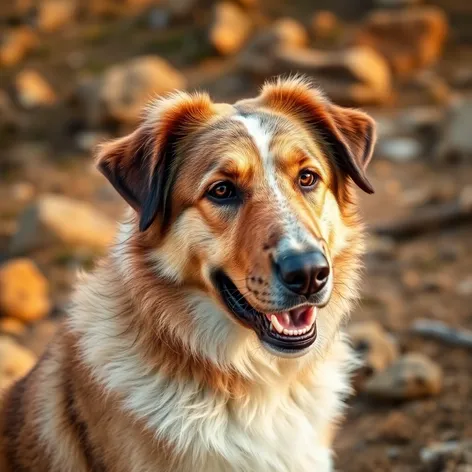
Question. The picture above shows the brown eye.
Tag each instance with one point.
(223, 192)
(307, 179)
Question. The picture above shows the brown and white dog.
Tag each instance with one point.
(209, 339)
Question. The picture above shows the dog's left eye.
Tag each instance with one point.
(224, 191)
(307, 179)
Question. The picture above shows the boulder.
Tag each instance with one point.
(356, 76)
(456, 138)
(258, 56)
(12, 326)
(24, 292)
(290, 33)
(410, 39)
(230, 28)
(15, 44)
(399, 148)
(124, 89)
(54, 219)
(9, 118)
(52, 15)
(412, 376)
(39, 335)
(377, 349)
(15, 362)
(33, 90)
(397, 3)
(453, 456)
(325, 25)
(180, 8)
(397, 428)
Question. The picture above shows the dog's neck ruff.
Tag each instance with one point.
(289, 403)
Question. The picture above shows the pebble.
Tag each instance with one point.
(12, 326)
(54, 219)
(15, 361)
(397, 428)
(24, 291)
(230, 29)
(375, 346)
(411, 376)
(450, 452)
(33, 90)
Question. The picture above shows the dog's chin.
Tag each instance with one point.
(287, 333)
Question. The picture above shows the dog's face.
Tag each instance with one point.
(248, 203)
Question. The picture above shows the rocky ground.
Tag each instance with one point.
(73, 73)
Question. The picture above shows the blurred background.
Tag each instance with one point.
(76, 72)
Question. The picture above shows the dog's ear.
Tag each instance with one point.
(349, 133)
(138, 165)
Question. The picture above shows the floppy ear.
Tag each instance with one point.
(349, 134)
(139, 165)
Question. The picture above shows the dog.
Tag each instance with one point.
(209, 339)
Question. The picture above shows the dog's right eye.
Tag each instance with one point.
(223, 192)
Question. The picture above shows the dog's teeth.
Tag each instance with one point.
(275, 323)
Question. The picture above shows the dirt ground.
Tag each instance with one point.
(425, 276)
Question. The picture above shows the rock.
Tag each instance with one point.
(24, 291)
(356, 76)
(399, 148)
(380, 247)
(15, 362)
(11, 326)
(33, 90)
(410, 40)
(258, 57)
(15, 44)
(397, 428)
(448, 456)
(464, 287)
(230, 29)
(325, 25)
(290, 32)
(9, 119)
(23, 7)
(87, 141)
(442, 332)
(378, 350)
(22, 192)
(55, 14)
(54, 219)
(158, 18)
(411, 376)
(456, 140)
(126, 88)
(433, 87)
(180, 8)
(39, 336)
(397, 3)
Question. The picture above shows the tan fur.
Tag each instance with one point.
(150, 372)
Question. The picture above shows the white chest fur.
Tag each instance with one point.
(278, 428)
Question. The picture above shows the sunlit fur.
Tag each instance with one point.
(150, 372)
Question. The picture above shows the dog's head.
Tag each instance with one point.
(250, 205)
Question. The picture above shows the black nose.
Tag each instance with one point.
(304, 273)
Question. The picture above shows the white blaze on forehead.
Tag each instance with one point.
(262, 133)
(262, 137)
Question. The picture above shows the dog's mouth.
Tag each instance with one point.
(287, 333)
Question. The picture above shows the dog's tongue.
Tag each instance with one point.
(298, 318)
